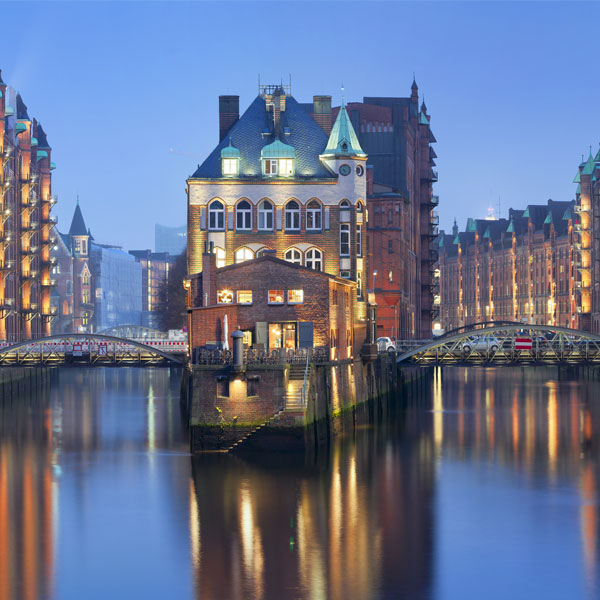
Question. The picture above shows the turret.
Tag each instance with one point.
(79, 234)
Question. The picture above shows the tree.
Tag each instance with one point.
(172, 296)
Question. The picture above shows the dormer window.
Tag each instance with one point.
(278, 159)
(230, 161)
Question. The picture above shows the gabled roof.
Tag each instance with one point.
(254, 130)
(78, 224)
(342, 140)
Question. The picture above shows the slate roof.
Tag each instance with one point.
(308, 139)
(78, 224)
(41, 137)
(21, 109)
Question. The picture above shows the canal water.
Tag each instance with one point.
(486, 487)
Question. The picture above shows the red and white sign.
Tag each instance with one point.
(77, 350)
(102, 349)
(523, 343)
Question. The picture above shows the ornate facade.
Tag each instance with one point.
(26, 224)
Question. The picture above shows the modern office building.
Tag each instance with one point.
(26, 224)
(155, 275)
(170, 239)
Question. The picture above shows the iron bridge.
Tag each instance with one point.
(87, 349)
(505, 344)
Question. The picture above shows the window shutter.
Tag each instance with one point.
(230, 220)
(327, 218)
(203, 218)
(278, 218)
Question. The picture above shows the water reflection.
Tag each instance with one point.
(487, 487)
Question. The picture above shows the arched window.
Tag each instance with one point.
(220, 254)
(242, 254)
(294, 255)
(314, 216)
(314, 259)
(359, 207)
(344, 211)
(265, 215)
(216, 216)
(243, 215)
(344, 239)
(292, 216)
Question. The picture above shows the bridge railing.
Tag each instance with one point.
(253, 356)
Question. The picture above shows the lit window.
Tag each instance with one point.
(224, 296)
(295, 296)
(244, 297)
(314, 259)
(359, 284)
(265, 215)
(216, 216)
(220, 254)
(313, 215)
(230, 166)
(390, 276)
(275, 296)
(292, 216)
(243, 215)
(294, 255)
(243, 254)
(286, 166)
(344, 239)
(271, 167)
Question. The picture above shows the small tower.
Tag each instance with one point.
(79, 235)
(83, 306)
(455, 229)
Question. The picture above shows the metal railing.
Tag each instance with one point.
(253, 356)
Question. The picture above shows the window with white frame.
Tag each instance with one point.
(243, 216)
(295, 296)
(314, 259)
(216, 216)
(265, 215)
(344, 239)
(314, 216)
(286, 166)
(242, 254)
(271, 166)
(230, 166)
(294, 255)
(275, 297)
(292, 216)
(244, 296)
(359, 240)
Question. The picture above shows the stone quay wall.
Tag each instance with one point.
(224, 407)
(17, 381)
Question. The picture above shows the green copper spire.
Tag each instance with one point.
(597, 157)
(577, 177)
(588, 169)
(487, 233)
(423, 119)
(343, 140)
(526, 213)
(548, 219)
(567, 214)
(511, 226)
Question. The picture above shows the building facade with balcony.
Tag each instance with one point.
(26, 224)
(278, 182)
(524, 268)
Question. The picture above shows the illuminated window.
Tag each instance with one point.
(265, 215)
(313, 216)
(295, 296)
(220, 253)
(83, 246)
(243, 215)
(314, 259)
(344, 239)
(230, 166)
(85, 318)
(216, 216)
(85, 296)
(271, 167)
(85, 279)
(275, 296)
(243, 254)
(224, 296)
(359, 284)
(286, 166)
(244, 297)
(292, 216)
(294, 255)
(390, 276)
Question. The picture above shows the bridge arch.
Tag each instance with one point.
(74, 337)
(563, 345)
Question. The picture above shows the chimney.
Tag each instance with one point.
(322, 112)
(276, 112)
(229, 113)
(209, 277)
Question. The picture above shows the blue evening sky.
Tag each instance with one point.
(128, 92)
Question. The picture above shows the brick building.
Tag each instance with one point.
(277, 181)
(518, 269)
(25, 224)
(276, 303)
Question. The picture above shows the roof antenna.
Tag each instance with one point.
(77, 199)
(343, 103)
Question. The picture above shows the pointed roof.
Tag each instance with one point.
(577, 178)
(41, 137)
(588, 168)
(423, 120)
(597, 157)
(414, 85)
(21, 109)
(78, 224)
(423, 107)
(548, 219)
(342, 139)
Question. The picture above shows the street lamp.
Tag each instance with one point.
(374, 275)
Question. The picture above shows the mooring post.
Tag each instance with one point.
(238, 350)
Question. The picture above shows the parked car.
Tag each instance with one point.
(481, 344)
(386, 344)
